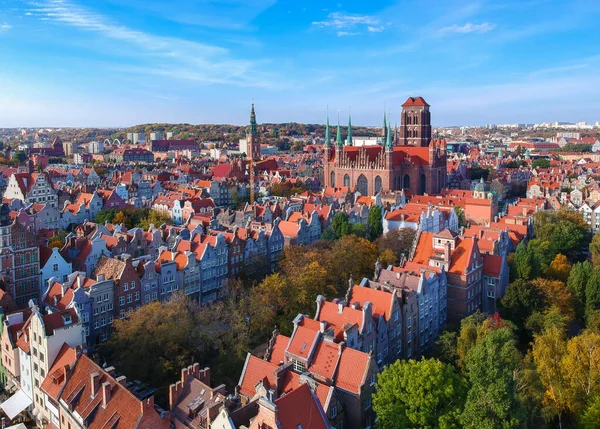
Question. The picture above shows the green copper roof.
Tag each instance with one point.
(385, 128)
(253, 121)
(388, 138)
(349, 141)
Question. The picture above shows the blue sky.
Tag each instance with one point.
(124, 62)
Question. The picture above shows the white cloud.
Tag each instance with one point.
(210, 63)
(344, 22)
(5, 27)
(468, 28)
(346, 33)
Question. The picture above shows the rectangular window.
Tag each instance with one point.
(129, 299)
(121, 300)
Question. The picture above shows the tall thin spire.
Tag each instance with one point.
(349, 140)
(388, 137)
(338, 138)
(253, 130)
(327, 136)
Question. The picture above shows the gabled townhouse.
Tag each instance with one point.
(149, 278)
(192, 402)
(46, 217)
(343, 378)
(52, 264)
(116, 244)
(34, 188)
(40, 340)
(353, 325)
(169, 265)
(127, 291)
(12, 325)
(386, 311)
(93, 300)
(19, 259)
(463, 263)
(256, 249)
(295, 233)
(111, 200)
(91, 397)
(430, 288)
(84, 253)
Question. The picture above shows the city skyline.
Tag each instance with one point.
(121, 63)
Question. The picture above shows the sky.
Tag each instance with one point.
(124, 62)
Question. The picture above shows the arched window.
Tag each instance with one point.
(441, 180)
(377, 184)
(362, 185)
(347, 181)
(332, 182)
(406, 182)
(423, 187)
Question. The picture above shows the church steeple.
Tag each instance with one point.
(252, 138)
(327, 136)
(253, 130)
(384, 129)
(338, 138)
(388, 138)
(349, 140)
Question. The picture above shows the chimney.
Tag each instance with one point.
(79, 282)
(110, 371)
(105, 393)
(447, 251)
(122, 380)
(65, 286)
(100, 277)
(95, 382)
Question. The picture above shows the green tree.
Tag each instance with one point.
(375, 222)
(399, 241)
(541, 163)
(520, 300)
(491, 365)
(577, 283)
(525, 262)
(595, 248)
(590, 418)
(446, 345)
(20, 156)
(340, 224)
(592, 292)
(424, 394)
(460, 213)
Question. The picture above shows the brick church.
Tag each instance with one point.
(406, 159)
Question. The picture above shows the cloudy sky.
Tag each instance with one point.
(124, 62)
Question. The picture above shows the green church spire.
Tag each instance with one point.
(338, 139)
(349, 141)
(388, 138)
(327, 136)
(253, 121)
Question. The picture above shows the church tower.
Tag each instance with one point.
(415, 123)
(253, 139)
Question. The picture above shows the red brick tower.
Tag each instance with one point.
(415, 122)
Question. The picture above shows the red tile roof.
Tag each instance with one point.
(352, 370)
